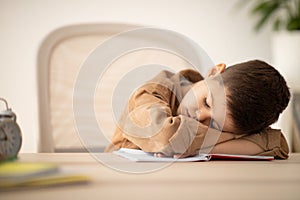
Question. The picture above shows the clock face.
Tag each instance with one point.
(10, 139)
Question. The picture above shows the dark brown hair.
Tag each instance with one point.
(257, 94)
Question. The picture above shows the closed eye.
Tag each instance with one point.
(205, 103)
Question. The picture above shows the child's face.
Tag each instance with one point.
(205, 102)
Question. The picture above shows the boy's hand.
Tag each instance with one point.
(161, 155)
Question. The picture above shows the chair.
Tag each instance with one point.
(60, 57)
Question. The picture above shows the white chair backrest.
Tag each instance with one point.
(59, 59)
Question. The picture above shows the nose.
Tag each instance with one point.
(204, 116)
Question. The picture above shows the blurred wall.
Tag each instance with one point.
(224, 32)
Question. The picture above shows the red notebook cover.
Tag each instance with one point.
(239, 157)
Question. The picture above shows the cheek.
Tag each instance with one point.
(200, 93)
(190, 101)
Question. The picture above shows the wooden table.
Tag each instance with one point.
(279, 179)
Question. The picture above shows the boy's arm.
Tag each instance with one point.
(269, 142)
(272, 141)
(150, 125)
(237, 146)
(231, 146)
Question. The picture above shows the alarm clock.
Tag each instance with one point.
(10, 134)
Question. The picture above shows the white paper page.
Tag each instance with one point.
(141, 156)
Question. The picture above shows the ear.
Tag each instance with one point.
(218, 69)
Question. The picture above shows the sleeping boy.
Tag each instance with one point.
(183, 114)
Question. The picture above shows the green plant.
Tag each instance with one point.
(283, 14)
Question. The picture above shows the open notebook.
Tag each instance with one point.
(141, 156)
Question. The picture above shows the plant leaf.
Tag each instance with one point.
(268, 10)
(277, 24)
(298, 9)
(260, 7)
(293, 24)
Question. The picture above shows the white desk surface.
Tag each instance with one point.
(279, 179)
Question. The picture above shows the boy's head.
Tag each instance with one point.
(255, 95)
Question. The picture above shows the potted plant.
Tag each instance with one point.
(284, 16)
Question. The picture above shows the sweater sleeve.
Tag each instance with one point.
(150, 124)
(272, 141)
